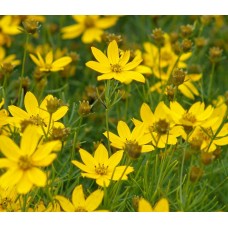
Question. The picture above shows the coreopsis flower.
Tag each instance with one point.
(23, 163)
(43, 116)
(134, 143)
(161, 206)
(115, 66)
(79, 202)
(196, 115)
(48, 64)
(40, 207)
(101, 167)
(159, 125)
(89, 26)
(208, 138)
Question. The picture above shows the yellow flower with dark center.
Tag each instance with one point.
(10, 59)
(115, 66)
(136, 138)
(159, 125)
(22, 163)
(79, 203)
(48, 64)
(36, 114)
(91, 26)
(196, 115)
(161, 206)
(101, 167)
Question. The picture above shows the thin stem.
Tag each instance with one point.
(107, 129)
(23, 65)
(211, 81)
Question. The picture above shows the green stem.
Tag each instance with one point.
(23, 66)
(107, 129)
(211, 81)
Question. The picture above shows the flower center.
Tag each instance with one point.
(48, 66)
(161, 127)
(6, 202)
(189, 117)
(80, 209)
(116, 68)
(133, 149)
(101, 169)
(24, 163)
(89, 22)
(37, 120)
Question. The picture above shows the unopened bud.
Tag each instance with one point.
(31, 26)
(53, 105)
(158, 36)
(178, 76)
(215, 54)
(84, 108)
(195, 173)
(186, 45)
(186, 30)
(133, 149)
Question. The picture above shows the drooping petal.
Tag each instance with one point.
(133, 64)
(113, 52)
(115, 140)
(92, 34)
(37, 177)
(78, 198)
(101, 154)
(123, 130)
(94, 200)
(106, 76)
(65, 204)
(99, 67)
(9, 148)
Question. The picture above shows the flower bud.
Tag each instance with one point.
(186, 45)
(195, 173)
(178, 76)
(133, 149)
(215, 54)
(158, 36)
(31, 26)
(84, 108)
(53, 105)
(186, 30)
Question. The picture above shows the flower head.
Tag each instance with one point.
(101, 167)
(36, 114)
(22, 162)
(114, 66)
(79, 203)
(91, 26)
(127, 139)
(48, 64)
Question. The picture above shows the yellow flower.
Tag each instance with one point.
(36, 114)
(159, 124)
(127, 139)
(196, 115)
(90, 26)
(22, 162)
(48, 64)
(115, 66)
(161, 206)
(101, 167)
(79, 203)
(3, 115)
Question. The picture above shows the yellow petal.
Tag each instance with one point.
(35, 60)
(128, 76)
(87, 158)
(18, 112)
(65, 204)
(60, 113)
(106, 22)
(62, 62)
(37, 177)
(115, 140)
(144, 206)
(147, 148)
(29, 140)
(24, 185)
(94, 200)
(125, 58)
(72, 31)
(100, 56)
(115, 159)
(92, 34)
(46, 161)
(146, 114)
(78, 198)
(186, 92)
(9, 148)
(103, 181)
(122, 172)
(133, 64)
(162, 206)
(123, 130)
(6, 163)
(49, 58)
(113, 52)
(106, 76)
(101, 154)
(83, 167)
(99, 67)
